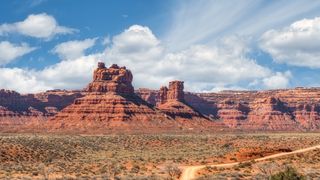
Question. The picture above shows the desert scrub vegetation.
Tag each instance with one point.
(129, 156)
(288, 174)
(296, 167)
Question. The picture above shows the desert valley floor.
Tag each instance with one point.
(157, 156)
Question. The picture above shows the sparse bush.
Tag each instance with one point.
(173, 171)
(244, 164)
(288, 174)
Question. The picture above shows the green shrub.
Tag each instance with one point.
(289, 174)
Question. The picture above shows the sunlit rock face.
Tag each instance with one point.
(113, 79)
(280, 110)
(110, 104)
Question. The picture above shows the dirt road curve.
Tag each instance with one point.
(189, 172)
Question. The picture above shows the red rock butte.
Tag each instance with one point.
(113, 79)
(111, 104)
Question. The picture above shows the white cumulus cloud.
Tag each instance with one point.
(278, 80)
(297, 45)
(73, 49)
(36, 25)
(21, 80)
(67, 74)
(200, 66)
(9, 51)
(224, 65)
(70, 74)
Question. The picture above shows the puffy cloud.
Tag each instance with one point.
(278, 80)
(298, 44)
(36, 25)
(136, 40)
(203, 67)
(73, 49)
(138, 49)
(24, 81)
(9, 51)
(68, 74)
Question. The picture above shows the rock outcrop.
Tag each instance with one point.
(113, 79)
(163, 95)
(109, 102)
(175, 91)
(111, 105)
(232, 113)
(18, 109)
(173, 104)
(270, 114)
(281, 110)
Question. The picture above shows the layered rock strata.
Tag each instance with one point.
(110, 101)
(113, 79)
(279, 110)
(17, 109)
(172, 102)
(110, 105)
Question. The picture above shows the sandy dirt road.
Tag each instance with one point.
(190, 172)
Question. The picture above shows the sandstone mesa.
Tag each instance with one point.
(110, 104)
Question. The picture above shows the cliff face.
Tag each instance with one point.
(286, 109)
(46, 103)
(109, 101)
(172, 103)
(113, 79)
(17, 109)
(110, 104)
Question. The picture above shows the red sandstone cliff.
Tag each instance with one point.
(172, 103)
(110, 99)
(110, 104)
(281, 110)
(113, 79)
(17, 109)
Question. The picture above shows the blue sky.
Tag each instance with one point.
(210, 44)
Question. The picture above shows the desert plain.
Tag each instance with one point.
(155, 156)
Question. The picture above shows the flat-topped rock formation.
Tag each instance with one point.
(113, 79)
(280, 110)
(284, 109)
(110, 104)
(48, 103)
(18, 109)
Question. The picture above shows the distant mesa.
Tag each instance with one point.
(110, 104)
